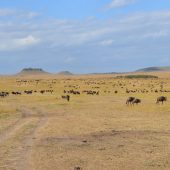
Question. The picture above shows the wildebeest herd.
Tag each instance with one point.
(95, 85)
(5, 94)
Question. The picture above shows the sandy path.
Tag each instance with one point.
(17, 142)
(26, 161)
(12, 130)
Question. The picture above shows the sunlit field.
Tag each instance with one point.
(97, 131)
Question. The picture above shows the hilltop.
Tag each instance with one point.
(39, 71)
(67, 73)
(32, 71)
(153, 69)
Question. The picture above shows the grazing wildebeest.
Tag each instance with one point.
(42, 91)
(16, 93)
(90, 92)
(161, 99)
(77, 168)
(28, 91)
(130, 100)
(66, 97)
(136, 101)
(4, 94)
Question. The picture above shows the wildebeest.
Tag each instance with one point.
(136, 101)
(161, 99)
(67, 97)
(91, 92)
(4, 94)
(77, 168)
(16, 93)
(72, 92)
(130, 100)
(28, 91)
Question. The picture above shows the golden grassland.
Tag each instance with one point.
(93, 132)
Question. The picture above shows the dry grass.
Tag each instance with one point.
(44, 132)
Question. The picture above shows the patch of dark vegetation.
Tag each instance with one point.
(138, 77)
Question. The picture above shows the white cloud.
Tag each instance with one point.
(18, 43)
(120, 3)
(26, 41)
(26, 15)
(6, 12)
(106, 42)
(157, 34)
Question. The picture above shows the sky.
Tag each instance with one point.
(84, 36)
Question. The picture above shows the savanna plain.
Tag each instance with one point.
(95, 130)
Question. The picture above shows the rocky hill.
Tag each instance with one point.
(153, 69)
(32, 71)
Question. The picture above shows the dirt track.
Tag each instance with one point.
(17, 142)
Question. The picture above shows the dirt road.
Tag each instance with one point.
(17, 141)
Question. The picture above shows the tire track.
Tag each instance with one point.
(20, 155)
(12, 130)
(27, 160)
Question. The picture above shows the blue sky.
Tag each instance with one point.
(84, 36)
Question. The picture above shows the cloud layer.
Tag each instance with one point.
(91, 45)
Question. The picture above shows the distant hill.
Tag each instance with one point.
(32, 71)
(153, 69)
(67, 73)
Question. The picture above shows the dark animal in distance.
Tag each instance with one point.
(4, 94)
(67, 97)
(136, 101)
(161, 99)
(16, 93)
(130, 100)
(28, 91)
(77, 168)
